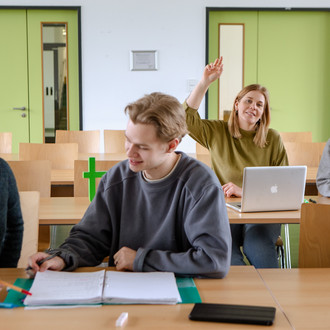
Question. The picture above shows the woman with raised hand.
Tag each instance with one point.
(245, 140)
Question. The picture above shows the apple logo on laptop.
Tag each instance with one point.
(273, 189)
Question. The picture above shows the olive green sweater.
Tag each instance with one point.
(230, 155)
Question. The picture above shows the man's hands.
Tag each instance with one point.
(124, 259)
(56, 263)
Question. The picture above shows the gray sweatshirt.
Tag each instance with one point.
(179, 224)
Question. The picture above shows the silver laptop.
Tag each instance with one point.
(272, 188)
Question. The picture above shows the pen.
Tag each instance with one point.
(14, 287)
(312, 200)
(40, 262)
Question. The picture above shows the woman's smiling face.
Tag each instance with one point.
(250, 109)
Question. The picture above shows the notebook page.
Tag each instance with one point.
(53, 288)
(141, 288)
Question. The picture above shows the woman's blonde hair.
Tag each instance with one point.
(163, 111)
(262, 124)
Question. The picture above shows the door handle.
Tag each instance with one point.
(19, 108)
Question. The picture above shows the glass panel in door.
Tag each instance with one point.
(55, 71)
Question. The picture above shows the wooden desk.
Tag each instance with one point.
(69, 211)
(242, 285)
(311, 174)
(9, 156)
(62, 210)
(62, 177)
(284, 217)
(66, 177)
(303, 294)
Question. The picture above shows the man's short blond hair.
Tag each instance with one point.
(163, 111)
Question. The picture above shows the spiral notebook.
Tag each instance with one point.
(74, 286)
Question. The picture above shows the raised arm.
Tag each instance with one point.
(211, 73)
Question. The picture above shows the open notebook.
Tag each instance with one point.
(67, 288)
(272, 188)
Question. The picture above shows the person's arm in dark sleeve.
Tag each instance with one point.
(12, 244)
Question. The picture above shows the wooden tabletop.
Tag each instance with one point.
(270, 217)
(62, 177)
(243, 285)
(62, 210)
(70, 210)
(303, 294)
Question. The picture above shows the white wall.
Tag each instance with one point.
(111, 28)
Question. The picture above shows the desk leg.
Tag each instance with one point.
(53, 230)
(58, 234)
(287, 246)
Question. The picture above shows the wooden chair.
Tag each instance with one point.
(6, 141)
(296, 136)
(61, 155)
(34, 175)
(314, 243)
(30, 211)
(80, 183)
(304, 153)
(203, 155)
(88, 141)
(114, 141)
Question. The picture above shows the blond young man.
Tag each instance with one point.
(159, 210)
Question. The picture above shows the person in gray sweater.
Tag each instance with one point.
(159, 210)
(11, 220)
(323, 172)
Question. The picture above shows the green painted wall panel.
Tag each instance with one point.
(294, 63)
(13, 75)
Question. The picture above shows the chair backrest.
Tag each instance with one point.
(314, 242)
(80, 186)
(114, 141)
(88, 141)
(6, 141)
(32, 175)
(30, 211)
(304, 153)
(203, 154)
(200, 150)
(296, 136)
(61, 155)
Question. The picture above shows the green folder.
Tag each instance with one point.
(186, 286)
